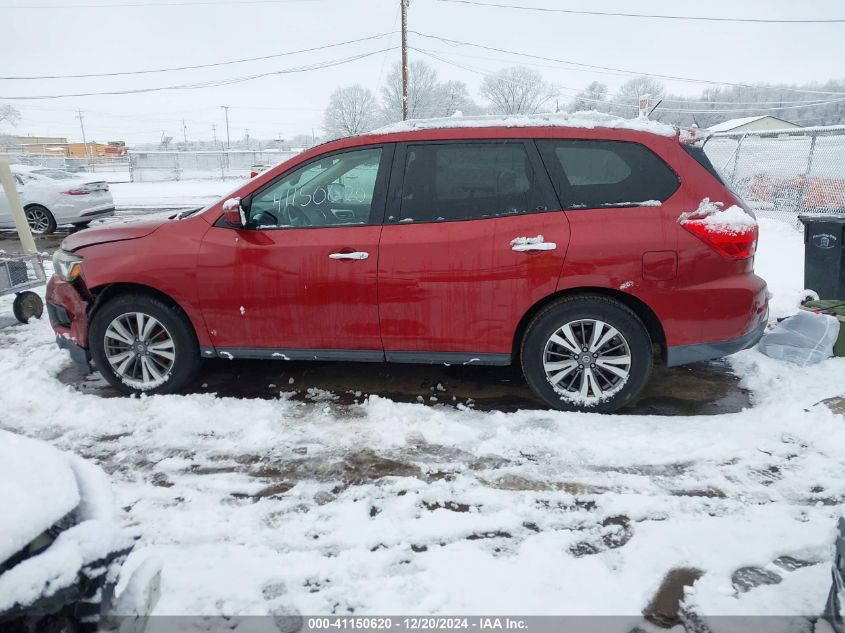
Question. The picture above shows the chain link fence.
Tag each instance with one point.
(160, 166)
(784, 173)
(110, 168)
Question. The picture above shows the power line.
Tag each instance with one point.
(646, 15)
(599, 68)
(211, 83)
(211, 65)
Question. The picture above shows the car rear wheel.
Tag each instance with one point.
(587, 353)
(40, 220)
(141, 344)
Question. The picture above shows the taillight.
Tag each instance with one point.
(731, 232)
(80, 191)
(735, 245)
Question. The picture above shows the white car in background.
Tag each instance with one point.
(52, 197)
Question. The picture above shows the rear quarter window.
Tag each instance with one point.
(591, 174)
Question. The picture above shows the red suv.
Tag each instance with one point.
(567, 247)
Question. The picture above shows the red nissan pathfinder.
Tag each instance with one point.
(577, 247)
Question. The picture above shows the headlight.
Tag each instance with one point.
(66, 265)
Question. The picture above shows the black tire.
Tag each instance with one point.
(574, 309)
(40, 220)
(27, 305)
(186, 361)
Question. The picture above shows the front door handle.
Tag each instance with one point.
(524, 244)
(353, 255)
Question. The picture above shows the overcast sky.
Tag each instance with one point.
(102, 39)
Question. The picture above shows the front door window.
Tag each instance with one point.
(335, 190)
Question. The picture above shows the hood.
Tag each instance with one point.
(129, 231)
(37, 486)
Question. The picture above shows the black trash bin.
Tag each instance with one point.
(824, 254)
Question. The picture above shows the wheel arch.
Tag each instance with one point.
(103, 293)
(643, 311)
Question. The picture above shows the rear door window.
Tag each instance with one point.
(468, 181)
(593, 174)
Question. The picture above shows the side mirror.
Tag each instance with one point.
(233, 213)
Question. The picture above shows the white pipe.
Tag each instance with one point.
(16, 209)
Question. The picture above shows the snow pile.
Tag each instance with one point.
(731, 221)
(522, 241)
(584, 119)
(37, 488)
(40, 485)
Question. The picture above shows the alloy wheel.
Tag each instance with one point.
(38, 220)
(140, 350)
(587, 361)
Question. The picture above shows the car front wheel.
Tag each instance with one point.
(587, 353)
(141, 344)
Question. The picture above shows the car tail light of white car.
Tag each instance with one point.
(84, 190)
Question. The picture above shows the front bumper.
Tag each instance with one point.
(68, 312)
(79, 355)
(684, 354)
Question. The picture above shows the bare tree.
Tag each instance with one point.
(629, 93)
(453, 97)
(593, 97)
(351, 110)
(516, 90)
(9, 114)
(423, 92)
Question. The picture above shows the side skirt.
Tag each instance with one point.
(359, 356)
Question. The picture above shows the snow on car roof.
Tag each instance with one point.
(587, 119)
(37, 486)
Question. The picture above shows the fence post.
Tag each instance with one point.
(177, 170)
(736, 158)
(810, 156)
(131, 167)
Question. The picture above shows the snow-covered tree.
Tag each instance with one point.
(593, 97)
(630, 92)
(516, 90)
(452, 97)
(9, 114)
(351, 110)
(422, 92)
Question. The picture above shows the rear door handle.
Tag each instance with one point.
(523, 246)
(353, 255)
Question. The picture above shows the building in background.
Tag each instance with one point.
(58, 146)
(753, 124)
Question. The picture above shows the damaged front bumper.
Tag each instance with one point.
(68, 312)
(79, 355)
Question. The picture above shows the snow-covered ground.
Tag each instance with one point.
(283, 506)
(180, 194)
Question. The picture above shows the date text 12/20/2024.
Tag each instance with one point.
(416, 623)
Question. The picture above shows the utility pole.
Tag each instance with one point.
(214, 134)
(185, 134)
(246, 136)
(404, 4)
(228, 143)
(84, 140)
